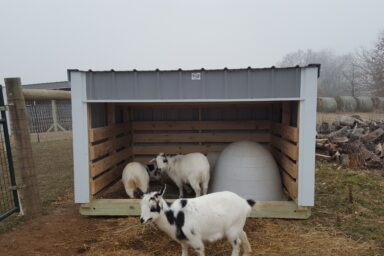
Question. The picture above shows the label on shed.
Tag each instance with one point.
(196, 76)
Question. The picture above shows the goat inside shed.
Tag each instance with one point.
(119, 131)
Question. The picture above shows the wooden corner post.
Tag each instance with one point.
(24, 163)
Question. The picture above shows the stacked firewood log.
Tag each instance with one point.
(352, 141)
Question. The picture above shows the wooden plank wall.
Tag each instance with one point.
(284, 145)
(180, 137)
(109, 151)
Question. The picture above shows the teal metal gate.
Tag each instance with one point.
(9, 200)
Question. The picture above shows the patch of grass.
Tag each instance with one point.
(351, 201)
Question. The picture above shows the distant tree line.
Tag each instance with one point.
(357, 74)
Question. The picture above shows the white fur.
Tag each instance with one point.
(191, 168)
(135, 176)
(206, 218)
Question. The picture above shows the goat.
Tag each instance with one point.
(192, 221)
(136, 175)
(191, 168)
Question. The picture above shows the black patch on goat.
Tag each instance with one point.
(150, 167)
(192, 232)
(235, 242)
(179, 224)
(251, 202)
(183, 203)
(170, 217)
(169, 203)
(156, 208)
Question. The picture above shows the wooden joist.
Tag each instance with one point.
(200, 125)
(199, 137)
(286, 147)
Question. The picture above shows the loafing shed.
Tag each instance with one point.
(123, 116)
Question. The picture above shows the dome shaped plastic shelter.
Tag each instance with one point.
(248, 169)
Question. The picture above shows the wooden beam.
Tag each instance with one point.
(41, 94)
(200, 137)
(131, 207)
(285, 147)
(200, 125)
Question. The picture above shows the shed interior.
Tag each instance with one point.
(123, 132)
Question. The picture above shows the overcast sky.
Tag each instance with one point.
(40, 40)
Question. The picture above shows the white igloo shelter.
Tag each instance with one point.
(248, 169)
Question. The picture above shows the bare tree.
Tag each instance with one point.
(370, 66)
(332, 81)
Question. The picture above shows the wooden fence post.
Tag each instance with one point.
(24, 161)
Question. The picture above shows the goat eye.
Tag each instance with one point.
(165, 160)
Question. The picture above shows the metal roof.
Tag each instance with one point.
(50, 85)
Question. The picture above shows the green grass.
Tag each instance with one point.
(351, 201)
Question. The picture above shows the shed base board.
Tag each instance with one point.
(131, 207)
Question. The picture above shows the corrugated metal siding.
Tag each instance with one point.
(194, 85)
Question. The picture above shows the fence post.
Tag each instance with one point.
(24, 163)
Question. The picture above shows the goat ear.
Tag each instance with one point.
(162, 190)
(139, 193)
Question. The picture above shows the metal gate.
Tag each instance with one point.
(9, 200)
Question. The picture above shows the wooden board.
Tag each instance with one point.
(131, 207)
(107, 178)
(285, 163)
(290, 184)
(108, 162)
(97, 134)
(199, 137)
(106, 147)
(285, 147)
(285, 131)
(174, 149)
(201, 125)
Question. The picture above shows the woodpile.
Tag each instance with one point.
(352, 142)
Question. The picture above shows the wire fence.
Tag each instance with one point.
(48, 118)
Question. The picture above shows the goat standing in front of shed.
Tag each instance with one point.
(207, 218)
(190, 169)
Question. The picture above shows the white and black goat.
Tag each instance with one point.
(136, 175)
(192, 169)
(207, 218)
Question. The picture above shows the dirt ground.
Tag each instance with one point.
(66, 232)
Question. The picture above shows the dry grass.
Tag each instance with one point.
(331, 117)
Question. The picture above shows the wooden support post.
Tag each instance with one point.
(24, 163)
(55, 126)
